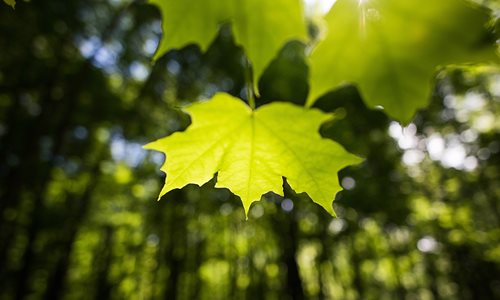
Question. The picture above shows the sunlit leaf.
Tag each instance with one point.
(391, 49)
(253, 150)
(11, 3)
(261, 26)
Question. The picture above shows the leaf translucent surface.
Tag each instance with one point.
(391, 48)
(11, 3)
(253, 150)
(261, 27)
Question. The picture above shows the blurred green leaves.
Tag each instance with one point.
(262, 27)
(253, 150)
(10, 2)
(391, 49)
(79, 222)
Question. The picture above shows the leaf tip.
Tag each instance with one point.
(151, 146)
(329, 209)
(246, 208)
(158, 53)
(332, 213)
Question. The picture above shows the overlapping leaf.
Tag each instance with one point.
(390, 49)
(11, 3)
(261, 26)
(253, 150)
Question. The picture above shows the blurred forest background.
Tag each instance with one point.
(79, 96)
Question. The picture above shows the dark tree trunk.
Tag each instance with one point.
(65, 115)
(289, 240)
(56, 282)
(356, 265)
(104, 256)
(174, 256)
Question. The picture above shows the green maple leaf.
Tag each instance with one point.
(11, 3)
(391, 49)
(253, 150)
(262, 27)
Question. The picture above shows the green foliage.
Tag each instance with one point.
(252, 150)
(260, 26)
(11, 3)
(391, 49)
(76, 212)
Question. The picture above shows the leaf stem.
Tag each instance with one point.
(249, 84)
